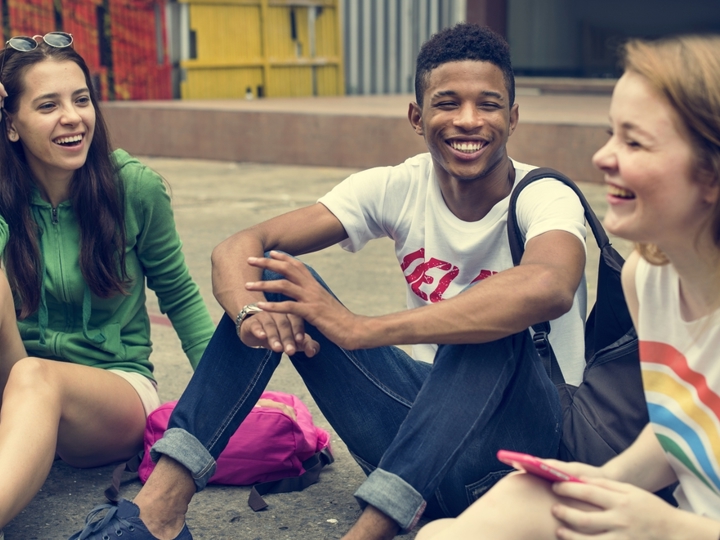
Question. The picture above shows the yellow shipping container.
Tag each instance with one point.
(263, 48)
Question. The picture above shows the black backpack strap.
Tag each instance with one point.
(312, 466)
(514, 234)
(541, 339)
(542, 330)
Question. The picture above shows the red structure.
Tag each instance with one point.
(122, 41)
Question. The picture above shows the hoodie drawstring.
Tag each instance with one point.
(43, 309)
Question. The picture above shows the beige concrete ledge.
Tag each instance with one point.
(354, 131)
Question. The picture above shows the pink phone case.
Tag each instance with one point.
(533, 465)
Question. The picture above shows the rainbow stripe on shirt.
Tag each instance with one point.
(684, 410)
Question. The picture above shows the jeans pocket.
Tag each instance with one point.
(479, 488)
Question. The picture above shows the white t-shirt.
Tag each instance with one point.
(681, 376)
(441, 255)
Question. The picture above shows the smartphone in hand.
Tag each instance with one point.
(532, 465)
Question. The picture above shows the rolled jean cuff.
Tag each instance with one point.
(181, 446)
(394, 497)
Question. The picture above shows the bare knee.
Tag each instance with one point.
(32, 375)
(519, 483)
(518, 493)
(516, 508)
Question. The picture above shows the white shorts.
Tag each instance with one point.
(145, 388)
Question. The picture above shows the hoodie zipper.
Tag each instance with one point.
(58, 245)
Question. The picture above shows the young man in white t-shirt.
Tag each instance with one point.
(425, 433)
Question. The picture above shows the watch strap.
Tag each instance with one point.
(245, 312)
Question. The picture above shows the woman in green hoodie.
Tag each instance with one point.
(81, 231)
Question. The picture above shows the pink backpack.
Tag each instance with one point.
(271, 450)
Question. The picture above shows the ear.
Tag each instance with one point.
(710, 193)
(415, 117)
(12, 134)
(514, 117)
(709, 182)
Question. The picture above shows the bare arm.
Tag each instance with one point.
(541, 288)
(302, 231)
(643, 464)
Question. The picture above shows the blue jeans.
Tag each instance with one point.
(426, 434)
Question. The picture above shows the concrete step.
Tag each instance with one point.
(557, 130)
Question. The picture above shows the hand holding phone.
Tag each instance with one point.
(532, 465)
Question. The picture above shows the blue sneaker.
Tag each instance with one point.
(121, 520)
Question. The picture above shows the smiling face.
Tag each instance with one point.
(55, 120)
(465, 119)
(649, 170)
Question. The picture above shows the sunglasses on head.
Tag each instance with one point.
(59, 40)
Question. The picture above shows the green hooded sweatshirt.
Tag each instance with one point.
(74, 325)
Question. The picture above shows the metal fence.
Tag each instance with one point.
(122, 41)
(382, 39)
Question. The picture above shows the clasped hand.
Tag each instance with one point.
(280, 326)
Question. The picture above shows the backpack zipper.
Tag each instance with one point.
(613, 351)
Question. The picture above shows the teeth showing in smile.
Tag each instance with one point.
(620, 193)
(68, 140)
(466, 147)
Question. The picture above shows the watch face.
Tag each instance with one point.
(249, 310)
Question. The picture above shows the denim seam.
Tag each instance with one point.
(441, 502)
(369, 376)
(205, 471)
(251, 385)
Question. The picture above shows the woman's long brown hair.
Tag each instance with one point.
(96, 195)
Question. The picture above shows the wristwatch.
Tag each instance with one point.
(245, 312)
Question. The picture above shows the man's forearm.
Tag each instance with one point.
(502, 305)
(230, 271)
(301, 231)
(541, 288)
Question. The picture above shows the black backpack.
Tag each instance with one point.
(606, 413)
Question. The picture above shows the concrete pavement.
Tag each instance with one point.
(212, 200)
